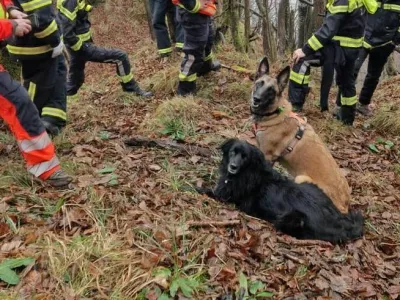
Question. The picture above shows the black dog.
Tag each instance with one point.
(300, 210)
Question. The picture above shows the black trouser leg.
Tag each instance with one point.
(159, 12)
(347, 86)
(196, 29)
(377, 60)
(179, 36)
(299, 80)
(328, 70)
(362, 56)
(76, 74)
(119, 58)
(46, 87)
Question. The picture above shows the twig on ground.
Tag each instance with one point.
(213, 223)
(300, 243)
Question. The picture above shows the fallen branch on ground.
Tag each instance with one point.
(295, 242)
(213, 223)
(139, 141)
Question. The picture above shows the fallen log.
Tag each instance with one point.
(189, 149)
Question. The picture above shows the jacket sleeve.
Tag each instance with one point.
(335, 15)
(6, 29)
(67, 15)
(46, 28)
(192, 6)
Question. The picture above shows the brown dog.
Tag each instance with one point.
(283, 136)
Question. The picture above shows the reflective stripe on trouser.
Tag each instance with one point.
(376, 63)
(21, 115)
(197, 38)
(93, 53)
(345, 78)
(160, 9)
(45, 81)
(300, 78)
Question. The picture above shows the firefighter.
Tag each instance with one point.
(195, 17)
(159, 10)
(74, 17)
(21, 115)
(342, 29)
(380, 37)
(43, 66)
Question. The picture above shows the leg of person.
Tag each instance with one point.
(299, 80)
(40, 78)
(362, 56)
(210, 64)
(377, 60)
(159, 13)
(179, 38)
(21, 115)
(348, 95)
(328, 71)
(196, 29)
(54, 113)
(118, 57)
(76, 75)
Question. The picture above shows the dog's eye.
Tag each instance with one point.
(260, 84)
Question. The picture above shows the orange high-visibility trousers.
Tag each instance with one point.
(22, 117)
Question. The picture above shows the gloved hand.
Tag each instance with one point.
(58, 50)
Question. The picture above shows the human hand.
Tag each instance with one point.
(16, 14)
(21, 26)
(58, 50)
(297, 55)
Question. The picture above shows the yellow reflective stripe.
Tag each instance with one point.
(32, 90)
(338, 9)
(196, 8)
(73, 98)
(366, 45)
(43, 167)
(54, 112)
(179, 45)
(81, 4)
(165, 50)
(190, 78)
(349, 42)
(37, 143)
(209, 57)
(77, 46)
(348, 100)
(314, 43)
(126, 78)
(67, 13)
(392, 7)
(352, 6)
(85, 36)
(49, 30)
(299, 78)
(35, 4)
(28, 50)
(88, 8)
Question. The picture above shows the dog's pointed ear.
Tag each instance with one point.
(263, 68)
(226, 146)
(283, 79)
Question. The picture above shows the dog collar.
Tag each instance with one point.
(275, 112)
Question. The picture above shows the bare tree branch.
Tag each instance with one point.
(307, 2)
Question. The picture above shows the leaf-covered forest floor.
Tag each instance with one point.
(134, 227)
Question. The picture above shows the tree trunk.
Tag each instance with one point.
(246, 24)
(149, 18)
(269, 43)
(316, 19)
(283, 22)
(233, 21)
(302, 12)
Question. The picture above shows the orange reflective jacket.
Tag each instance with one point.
(209, 9)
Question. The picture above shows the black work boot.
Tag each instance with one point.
(52, 130)
(347, 114)
(133, 87)
(209, 66)
(59, 179)
(297, 107)
(186, 88)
